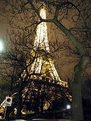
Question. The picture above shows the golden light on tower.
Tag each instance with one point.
(41, 39)
(43, 64)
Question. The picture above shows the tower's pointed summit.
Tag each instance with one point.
(43, 63)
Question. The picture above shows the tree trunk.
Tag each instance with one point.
(77, 109)
(19, 106)
(19, 100)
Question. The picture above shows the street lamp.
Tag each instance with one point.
(1, 45)
(68, 106)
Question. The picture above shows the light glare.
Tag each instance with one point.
(68, 106)
(1, 46)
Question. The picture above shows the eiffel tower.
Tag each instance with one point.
(43, 64)
(40, 89)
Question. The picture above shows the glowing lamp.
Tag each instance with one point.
(68, 106)
(1, 46)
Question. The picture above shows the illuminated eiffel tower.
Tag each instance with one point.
(43, 64)
(39, 85)
(43, 81)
